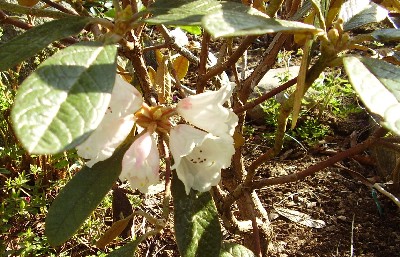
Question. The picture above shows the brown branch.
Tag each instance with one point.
(200, 85)
(266, 96)
(256, 232)
(219, 68)
(321, 165)
(171, 43)
(263, 67)
(58, 7)
(133, 51)
(4, 19)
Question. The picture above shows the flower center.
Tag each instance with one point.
(155, 118)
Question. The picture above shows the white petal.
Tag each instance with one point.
(207, 112)
(102, 143)
(125, 99)
(183, 139)
(199, 159)
(118, 121)
(141, 163)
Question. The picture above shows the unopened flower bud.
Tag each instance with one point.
(333, 36)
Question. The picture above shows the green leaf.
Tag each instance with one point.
(378, 85)
(228, 23)
(235, 250)
(64, 100)
(37, 38)
(127, 250)
(197, 228)
(195, 30)
(187, 12)
(356, 13)
(81, 195)
(385, 35)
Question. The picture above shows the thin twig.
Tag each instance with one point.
(59, 7)
(386, 193)
(32, 11)
(321, 165)
(352, 237)
(203, 62)
(266, 96)
(219, 68)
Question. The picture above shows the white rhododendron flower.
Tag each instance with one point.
(180, 37)
(199, 156)
(141, 163)
(118, 121)
(206, 111)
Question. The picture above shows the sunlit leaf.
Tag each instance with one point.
(333, 12)
(182, 12)
(197, 228)
(181, 66)
(235, 250)
(299, 217)
(228, 23)
(378, 85)
(195, 30)
(32, 41)
(301, 87)
(356, 13)
(64, 100)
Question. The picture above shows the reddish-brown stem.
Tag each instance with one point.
(171, 44)
(219, 68)
(17, 23)
(321, 165)
(133, 51)
(58, 7)
(4, 19)
(266, 96)
(265, 65)
(203, 62)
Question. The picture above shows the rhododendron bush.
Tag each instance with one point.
(122, 97)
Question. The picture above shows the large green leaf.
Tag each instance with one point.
(64, 100)
(356, 13)
(81, 195)
(235, 250)
(188, 12)
(378, 85)
(228, 22)
(197, 228)
(37, 38)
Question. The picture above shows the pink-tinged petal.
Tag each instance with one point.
(199, 157)
(141, 163)
(206, 111)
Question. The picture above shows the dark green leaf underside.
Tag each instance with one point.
(32, 41)
(197, 228)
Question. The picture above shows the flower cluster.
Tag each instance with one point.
(200, 150)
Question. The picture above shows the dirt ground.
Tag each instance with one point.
(354, 224)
